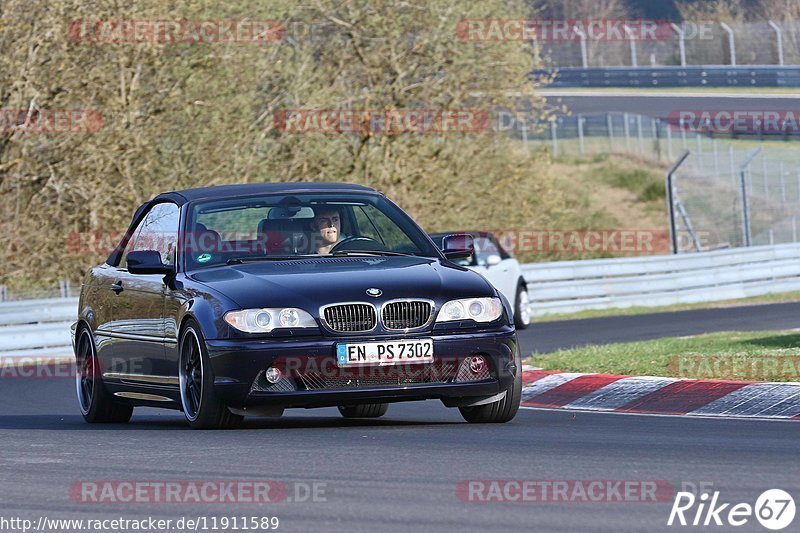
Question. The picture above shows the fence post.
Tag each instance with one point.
(629, 33)
(669, 140)
(610, 127)
(580, 135)
(554, 137)
(730, 160)
(654, 137)
(627, 130)
(783, 183)
(639, 133)
(716, 156)
(584, 51)
(701, 161)
(3, 293)
(743, 187)
(731, 41)
(779, 34)
(673, 233)
(681, 43)
(683, 135)
(798, 184)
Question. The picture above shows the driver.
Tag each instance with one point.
(327, 227)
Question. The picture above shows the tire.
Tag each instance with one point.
(369, 410)
(202, 408)
(522, 313)
(96, 404)
(500, 411)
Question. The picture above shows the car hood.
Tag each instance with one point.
(311, 283)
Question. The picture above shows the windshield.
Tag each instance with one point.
(298, 225)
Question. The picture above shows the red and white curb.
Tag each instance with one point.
(656, 395)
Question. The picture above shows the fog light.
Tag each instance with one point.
(273, 375)
(473, 368)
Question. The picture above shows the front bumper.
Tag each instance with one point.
(237, 364)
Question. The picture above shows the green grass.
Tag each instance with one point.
(752, 356)
(627, 311)
(646, 184)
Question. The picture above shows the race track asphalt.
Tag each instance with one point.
(660, 106)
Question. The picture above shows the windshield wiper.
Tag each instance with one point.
(256, 258)
(345, 253)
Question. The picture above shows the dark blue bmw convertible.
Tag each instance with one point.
(243, 300)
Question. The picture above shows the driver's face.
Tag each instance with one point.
(328, 225)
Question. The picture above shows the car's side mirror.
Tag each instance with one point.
(458, 246)
(493, 260)
(147, 262)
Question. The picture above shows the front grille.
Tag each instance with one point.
(350, 318)
(406, 314)
(376, 377)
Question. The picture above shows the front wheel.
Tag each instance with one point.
(369, 410)
(202, 408)
(522, 311)
(502, 410)
(96, 404)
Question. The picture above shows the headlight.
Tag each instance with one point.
(477, 309)
(267, 319)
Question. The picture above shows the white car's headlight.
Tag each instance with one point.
(267, 319)
(477, 309)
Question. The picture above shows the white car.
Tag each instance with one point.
(500, 268)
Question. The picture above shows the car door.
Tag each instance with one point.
(500, 275)
(138, 304)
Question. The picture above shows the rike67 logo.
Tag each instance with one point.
(774, 509)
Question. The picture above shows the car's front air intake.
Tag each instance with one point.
(406, 314)
(350, 318)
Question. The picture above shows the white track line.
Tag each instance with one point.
(664, 415)
(620, 393)
(548, 382)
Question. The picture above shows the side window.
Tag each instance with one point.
(484, 247)
(157, 231)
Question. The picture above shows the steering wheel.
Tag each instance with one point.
(358, 243)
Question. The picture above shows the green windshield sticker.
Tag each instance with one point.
(204, 258)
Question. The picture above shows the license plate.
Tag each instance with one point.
(385, 353)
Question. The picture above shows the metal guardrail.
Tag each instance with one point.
(34, 328)
(37, 328)
(571, 286)
(702, 76)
